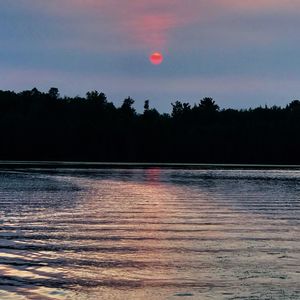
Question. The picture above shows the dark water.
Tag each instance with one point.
(149, 234)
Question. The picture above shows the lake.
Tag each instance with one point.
(149, 233)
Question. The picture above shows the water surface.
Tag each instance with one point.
(149, 234)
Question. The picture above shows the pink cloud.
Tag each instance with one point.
(142, 24)
(149, 25)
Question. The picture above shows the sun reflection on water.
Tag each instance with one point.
(150, 233)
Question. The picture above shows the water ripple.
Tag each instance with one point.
(149, 234)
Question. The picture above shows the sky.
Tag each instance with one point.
(241, 53)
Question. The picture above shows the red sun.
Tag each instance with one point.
(156, 58)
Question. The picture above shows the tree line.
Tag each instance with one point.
(44, 126)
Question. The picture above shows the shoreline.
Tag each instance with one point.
(125, 165)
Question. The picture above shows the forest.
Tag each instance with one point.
(36, 125)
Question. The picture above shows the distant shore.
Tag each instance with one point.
(128, 165)
(44, 127)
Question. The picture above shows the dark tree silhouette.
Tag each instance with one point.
(146, 105)
(44, 126)
(53, 93)
(179, 109)
(294, 106)
(127, 107)
(97, 97)
(208, 105)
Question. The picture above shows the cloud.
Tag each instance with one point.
(114, 25)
